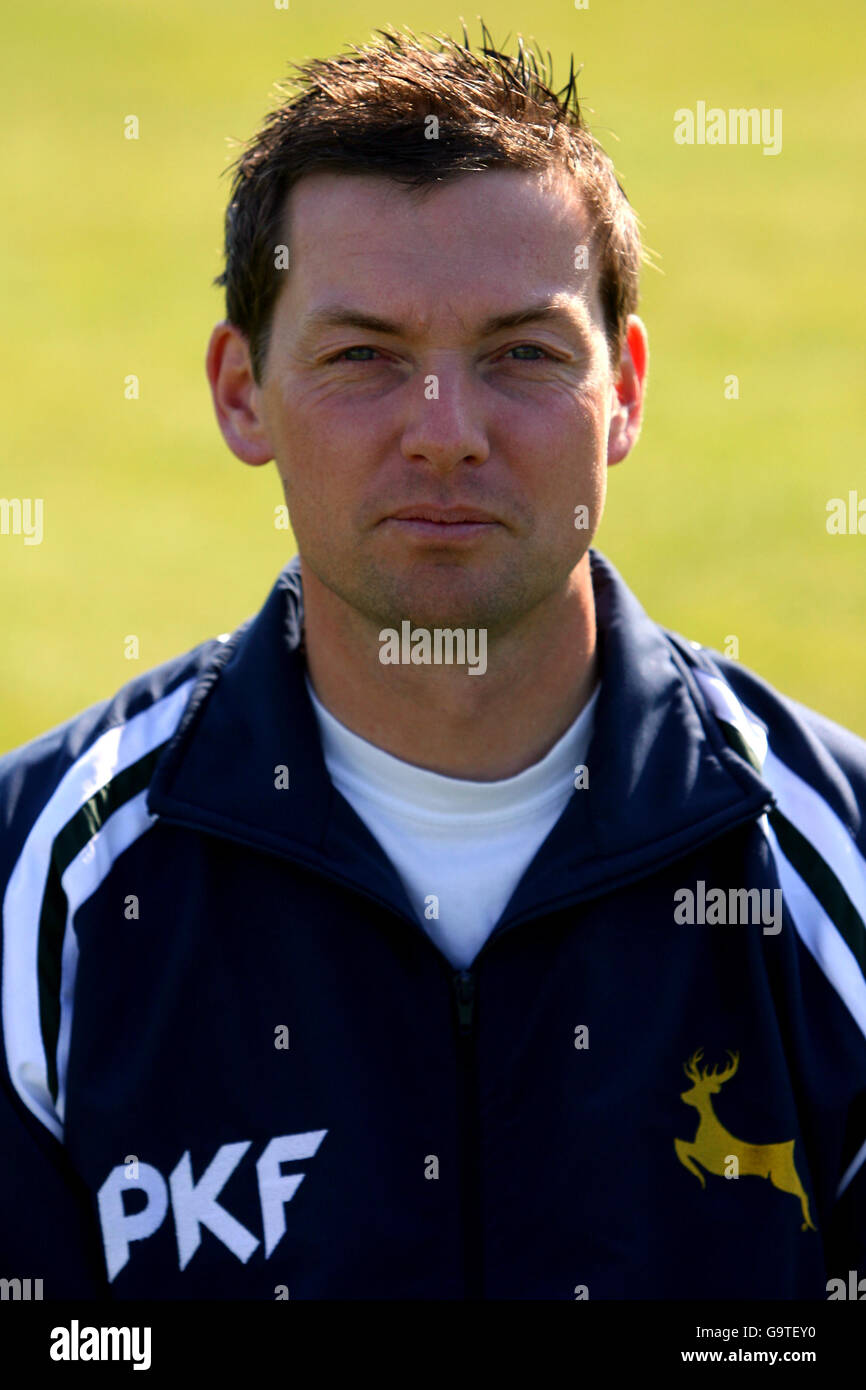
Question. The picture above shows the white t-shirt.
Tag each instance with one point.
(459, 847)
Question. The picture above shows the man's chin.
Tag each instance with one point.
(455, 600)
(429, 616)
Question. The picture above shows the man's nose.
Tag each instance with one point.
(445, 423)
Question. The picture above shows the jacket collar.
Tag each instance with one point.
(662, 778)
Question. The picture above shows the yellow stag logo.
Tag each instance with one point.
(713, 1146)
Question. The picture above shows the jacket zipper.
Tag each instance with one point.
(469, 1128)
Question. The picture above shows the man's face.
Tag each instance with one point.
(391, 387)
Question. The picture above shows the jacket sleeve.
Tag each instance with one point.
(817, 770)
(53, 791)
(49, 1228)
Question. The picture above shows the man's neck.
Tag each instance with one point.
(482, 728)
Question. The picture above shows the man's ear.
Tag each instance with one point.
(236, 398)
(629, 389)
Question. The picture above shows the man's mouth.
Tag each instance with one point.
(444, 516)
(445, 524)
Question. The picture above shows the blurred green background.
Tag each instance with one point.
(152, 527)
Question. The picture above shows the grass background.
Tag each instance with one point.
(109, 246)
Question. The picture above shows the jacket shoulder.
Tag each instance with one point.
(827, 757)
(81, 784)
(99, 739)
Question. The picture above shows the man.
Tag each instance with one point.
(361, 953)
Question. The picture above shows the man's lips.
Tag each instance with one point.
(443, 516)
(442, 524)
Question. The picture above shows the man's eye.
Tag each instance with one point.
(347, 354)
(523, 348)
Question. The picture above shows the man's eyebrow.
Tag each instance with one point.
(345, 316)
(555, 312)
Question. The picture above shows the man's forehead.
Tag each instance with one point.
(487, 205)
(502, 242)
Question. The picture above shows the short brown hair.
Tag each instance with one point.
(364, 112)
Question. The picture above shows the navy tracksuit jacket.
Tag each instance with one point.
(236, 1067)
